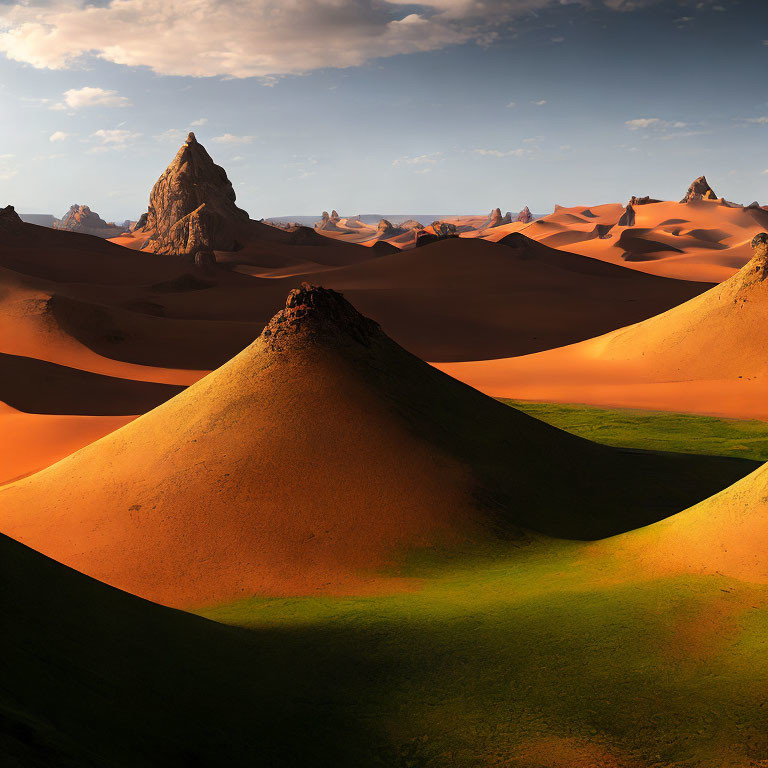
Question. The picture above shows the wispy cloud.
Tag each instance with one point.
(502, 153)
(539, 103)
(639, 123)
(429, 159)
(256, 38)
(111, 139)
(199, 121)
(757, 120)
(58, 136)
(231, 138)
(77, 98)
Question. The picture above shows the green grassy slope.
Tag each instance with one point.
(655, 430)
(539, 662)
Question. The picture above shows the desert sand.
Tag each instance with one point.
(705, 356)
(221, 492)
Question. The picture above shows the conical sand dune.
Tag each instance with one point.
(726, 534)
(316, 456)
(706, 355)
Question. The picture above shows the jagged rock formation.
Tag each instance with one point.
(9, 220)
(757, 268)
(335, 216)
(699, 190)
(642, 200)
(525, 216)
(494, 219)
(507, 219)
(142, 222)
(386, 230)
(411, 224)
(192, 206)
(628, 217)
(326, 223)
(80, 218)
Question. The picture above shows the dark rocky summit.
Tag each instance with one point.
(699, 190)
(628, 217)
(192, 206)
(9, 220)
(525, 216)
(80, 218)
(386, 230)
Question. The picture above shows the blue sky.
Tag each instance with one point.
(449, 106)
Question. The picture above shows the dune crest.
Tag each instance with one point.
(317, 457)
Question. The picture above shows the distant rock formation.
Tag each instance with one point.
(9, 220)
(335, 216)
(438, 230)
(80, 218)
(192, 206)
(642, 200)
(759, 263)
(494, 219)
(411, 224)
(507, 219)
(628, 217)
(525, 216)
(386, 230)
(326, 223)
(699, 190)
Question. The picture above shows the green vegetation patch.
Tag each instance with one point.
(655, 430)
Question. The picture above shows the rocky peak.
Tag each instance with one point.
(313, 314)
(192, 205)
(757, 267)
(387, 229)
(628, 217)
(525, 216)
(507, 218)
(494, 219)
(326, 222)
(699, 190)
(647, 200)
(335, 216)
(9, 220)
(80, 218)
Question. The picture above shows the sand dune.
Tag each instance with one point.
(30, 441)
(700, 240)
(726, 535)
(316, 456)
(706, 355)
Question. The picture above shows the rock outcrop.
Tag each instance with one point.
(525, 216)
(411, 224)
(507, 218)
(326, 223)
(628, 217)
(387, 229)
(647, 200)
(494, 219)
(335, 216)
(699, 190)
(758, 266)
(80, 218)
(9, 220)
(192, 206)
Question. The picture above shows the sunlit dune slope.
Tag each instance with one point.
(726, 535)
(318, 455)
(702, 240)
(708, 355)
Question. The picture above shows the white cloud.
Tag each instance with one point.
(758, 120)
(250, 38)
(58, 136)
(76, 98)
(111, 139)
(231, 138)
(765, 172)
(502, 153)
(430, 159)
(539, 103)
(641, 122)
(199, 121)
(172, 136)
(511, 105)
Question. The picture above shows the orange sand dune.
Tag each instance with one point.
(30, 441)
(28, 328)
(707, 355)
(726, 534)
(316, 456)
(701, 240)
